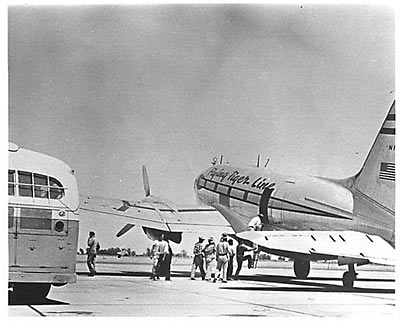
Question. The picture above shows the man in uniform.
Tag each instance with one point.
(198, 259)
(92, 250)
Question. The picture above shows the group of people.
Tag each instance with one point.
(218, 259)
(161, 254)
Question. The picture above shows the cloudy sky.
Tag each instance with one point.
(109, 88)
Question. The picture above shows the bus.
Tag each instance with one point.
(43, 223)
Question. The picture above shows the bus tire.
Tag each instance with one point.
(30, 291)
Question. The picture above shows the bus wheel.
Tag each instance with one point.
(30, 291)
(301, 268)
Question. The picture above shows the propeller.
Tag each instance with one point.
(146, 184)
(125, 229)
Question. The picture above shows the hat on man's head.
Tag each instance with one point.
(92, 233)
(211, 239)
(201, 239)
(224, 235)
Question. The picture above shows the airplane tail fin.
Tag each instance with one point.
(376, 179)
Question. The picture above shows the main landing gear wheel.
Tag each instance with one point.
(301, 268)
(349, 277)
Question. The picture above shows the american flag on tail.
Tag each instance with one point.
(387, 171)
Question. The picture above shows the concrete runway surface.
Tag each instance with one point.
(123, 288)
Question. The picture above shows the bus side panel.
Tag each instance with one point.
(47, 250)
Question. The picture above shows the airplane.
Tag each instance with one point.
(306, 218)
(156, 215)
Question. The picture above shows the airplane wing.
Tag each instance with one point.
(346, 246)
(156, 216)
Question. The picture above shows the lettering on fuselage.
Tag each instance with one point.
(235, 178)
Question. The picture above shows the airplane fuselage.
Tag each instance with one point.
(289, 202)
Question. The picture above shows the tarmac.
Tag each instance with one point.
(123, 288)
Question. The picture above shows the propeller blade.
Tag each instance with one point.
(125, 229)
(146, 184)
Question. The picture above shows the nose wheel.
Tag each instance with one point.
(349, 277)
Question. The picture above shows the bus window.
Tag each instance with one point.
(10, 217)
(33, 218)
(56, 189)
(11, 182)
(41, 189)
(25, 184)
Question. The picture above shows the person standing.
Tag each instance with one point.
(209, 255)
(230, 261)
(167, 263)
(162, 255)
(154, 256)
(164, 260)
(222, 257)
(92, 250)
(198, 259)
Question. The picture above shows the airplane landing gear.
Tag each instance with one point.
(349, 277)
(301, 268)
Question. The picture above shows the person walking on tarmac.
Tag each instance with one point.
(198, 259)
(222, 257)
(92, 250)
(209, 255)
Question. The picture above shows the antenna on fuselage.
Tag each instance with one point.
(266, 163)
(258, 160)
(220, 161)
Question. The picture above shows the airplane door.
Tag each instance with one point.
(264, 201)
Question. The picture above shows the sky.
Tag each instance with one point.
(109, 88)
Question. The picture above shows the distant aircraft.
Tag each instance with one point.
(313, 218)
